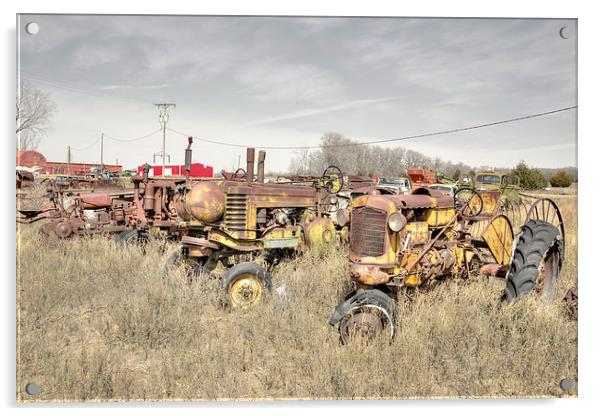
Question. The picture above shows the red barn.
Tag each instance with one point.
(31, 159)
(198, 170)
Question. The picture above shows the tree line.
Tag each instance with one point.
(338, 150)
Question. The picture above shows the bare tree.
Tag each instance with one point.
(300, 162)
(34, 109)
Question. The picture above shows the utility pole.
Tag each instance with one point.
(102, 140)
(163, 120)
(69, 160)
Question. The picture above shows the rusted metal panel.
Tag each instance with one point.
(102, 199)
(499, 238)
(367, 232)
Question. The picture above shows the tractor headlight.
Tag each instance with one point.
(396, 221)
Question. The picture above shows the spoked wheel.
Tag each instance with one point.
(546, 210)
(516, 211)
(364, 322)
(468, 202)
(245, 284)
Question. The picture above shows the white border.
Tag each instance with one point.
(589, 177)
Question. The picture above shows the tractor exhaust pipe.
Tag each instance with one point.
(188, 158)
(250, 163)
(261, 166)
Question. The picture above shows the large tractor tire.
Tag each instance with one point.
(129, 237)
(178, 262)
(536, 261)
(365, 315)
(245, 284)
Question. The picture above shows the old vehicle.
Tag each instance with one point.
(425, 177)
(236, 221)
(402, 242)
(133, 213)
(394, 186)
(495, 181)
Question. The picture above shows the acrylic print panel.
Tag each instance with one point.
(233, 208)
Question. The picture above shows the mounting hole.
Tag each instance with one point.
(32, 28)
(566, 384)
(32, 389)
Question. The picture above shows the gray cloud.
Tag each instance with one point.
(269, 80)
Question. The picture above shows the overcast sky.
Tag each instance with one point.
(286, 81)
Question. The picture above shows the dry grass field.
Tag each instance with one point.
(99, 322)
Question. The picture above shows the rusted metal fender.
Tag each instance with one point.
(499, 237)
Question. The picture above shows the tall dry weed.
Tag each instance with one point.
(100, 322)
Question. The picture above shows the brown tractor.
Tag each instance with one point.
(401, 242)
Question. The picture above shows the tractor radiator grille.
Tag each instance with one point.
(367, 232)
(236, 211)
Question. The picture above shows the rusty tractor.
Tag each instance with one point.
(402, 242)
(134, 214)
(243, 221)
(70, 201)
(88, 213)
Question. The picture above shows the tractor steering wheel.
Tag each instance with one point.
(332, 179)
(469, 202)
(244, 173)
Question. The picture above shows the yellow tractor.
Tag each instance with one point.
(400, 242)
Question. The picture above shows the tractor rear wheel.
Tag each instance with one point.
(179, 262)
(245, 284)
(129, 237)
(536, 261)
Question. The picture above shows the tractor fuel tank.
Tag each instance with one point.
(205, 202)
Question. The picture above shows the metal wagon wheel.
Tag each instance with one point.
(546, 210)
(516, 211)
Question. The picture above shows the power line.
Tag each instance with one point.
(76, 88)
(123, 140)
(79, 149)
(416, 136)
(134, 139)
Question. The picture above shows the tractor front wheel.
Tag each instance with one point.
(365, 315)
(536, 262)
(245, 284)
